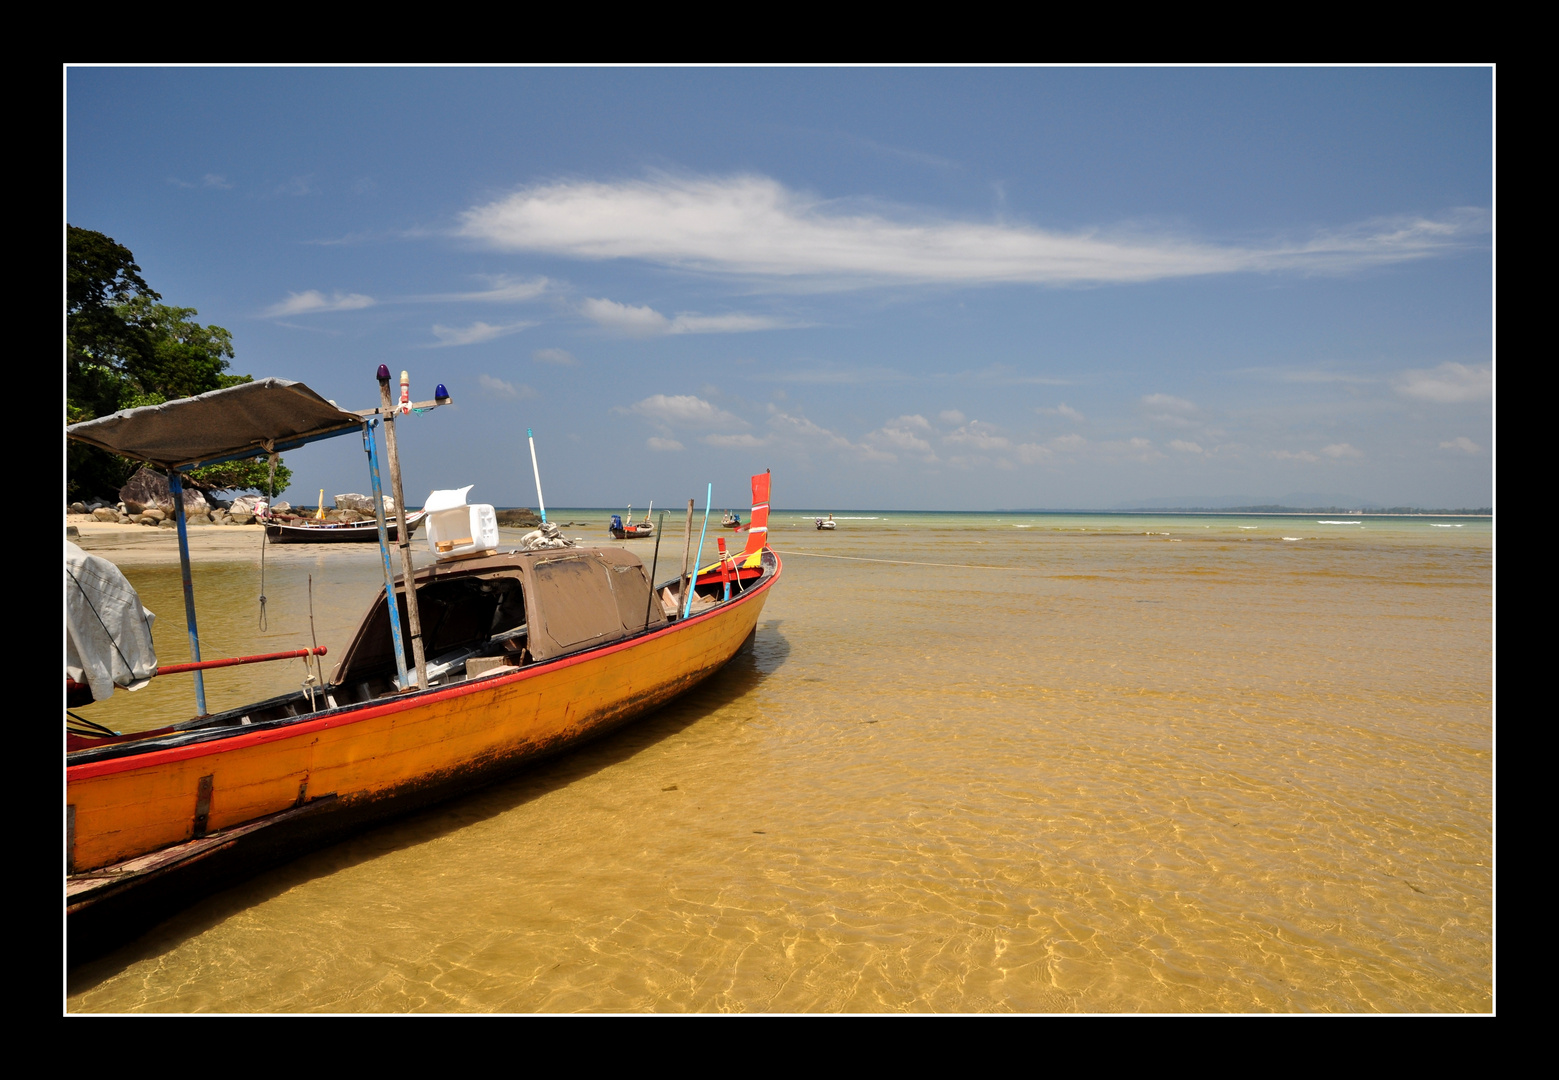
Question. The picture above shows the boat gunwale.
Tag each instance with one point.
(203, 742)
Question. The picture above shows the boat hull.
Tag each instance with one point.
(282, 787)
(359, 532)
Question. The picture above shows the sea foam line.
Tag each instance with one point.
(902, 562)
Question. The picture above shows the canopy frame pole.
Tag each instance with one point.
(176, 489)
(384, 550)
(402, 540)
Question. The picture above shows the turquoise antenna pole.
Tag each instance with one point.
(693, 588)
(531, 435)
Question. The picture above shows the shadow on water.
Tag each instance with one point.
(759, 656)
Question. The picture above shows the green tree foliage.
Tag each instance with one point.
(123, 349)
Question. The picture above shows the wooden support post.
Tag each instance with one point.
(687, 553)
(403, 541)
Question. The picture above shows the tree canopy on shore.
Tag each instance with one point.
(125, 348)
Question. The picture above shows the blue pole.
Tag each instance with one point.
(384, 550)
(176, 488)
(693, 587)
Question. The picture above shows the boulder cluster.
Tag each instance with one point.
(159, 517)
(146, 499)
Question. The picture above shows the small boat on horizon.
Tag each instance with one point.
(731, 521)
(632, 530)
(826, 524)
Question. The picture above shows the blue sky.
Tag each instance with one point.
(896, 288)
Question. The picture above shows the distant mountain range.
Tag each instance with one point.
(1299, 502)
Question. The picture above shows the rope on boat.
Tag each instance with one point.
(900, 562)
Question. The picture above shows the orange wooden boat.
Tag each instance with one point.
(528, 653)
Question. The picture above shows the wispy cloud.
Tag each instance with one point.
(1338, 451)
(646, 321)
(210, 180)
(311, 301)
(753, 225)
(499, 388)
(1462, 443)
(502, 290)
(297, 186)
(1447, 384)
(1062, 409)
(656, 443)
(1184, 447)
(474, 334)
(557, 357)
(1308, 376)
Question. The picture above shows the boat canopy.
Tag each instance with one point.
(570, 599)
(108, 634)
(253, 418)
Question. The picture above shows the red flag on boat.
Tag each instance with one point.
(758, 526)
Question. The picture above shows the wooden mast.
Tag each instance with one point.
(402, 540)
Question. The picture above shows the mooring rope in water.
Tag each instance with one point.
(903, 562)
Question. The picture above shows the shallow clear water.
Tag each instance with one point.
(1085, 763)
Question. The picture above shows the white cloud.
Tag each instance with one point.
(498, 388)
(656, 443)
(803, 435)
(1171, 410)
(734, 442)
(1462, 443)
(951, 416)
(1338, 451)
(560, 357)
(1447, 384)
(622, 319)
(312, 300)
(1061, 410)
(755, 225)
(1184, 447)
(476, 333)
(685, 411)
(979, 436)
(1288, 455)
(1135, 449)
(904, 434)
(1070, 443)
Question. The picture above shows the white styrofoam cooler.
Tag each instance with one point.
(456, 529)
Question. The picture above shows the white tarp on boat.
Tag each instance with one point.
(108, 634)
